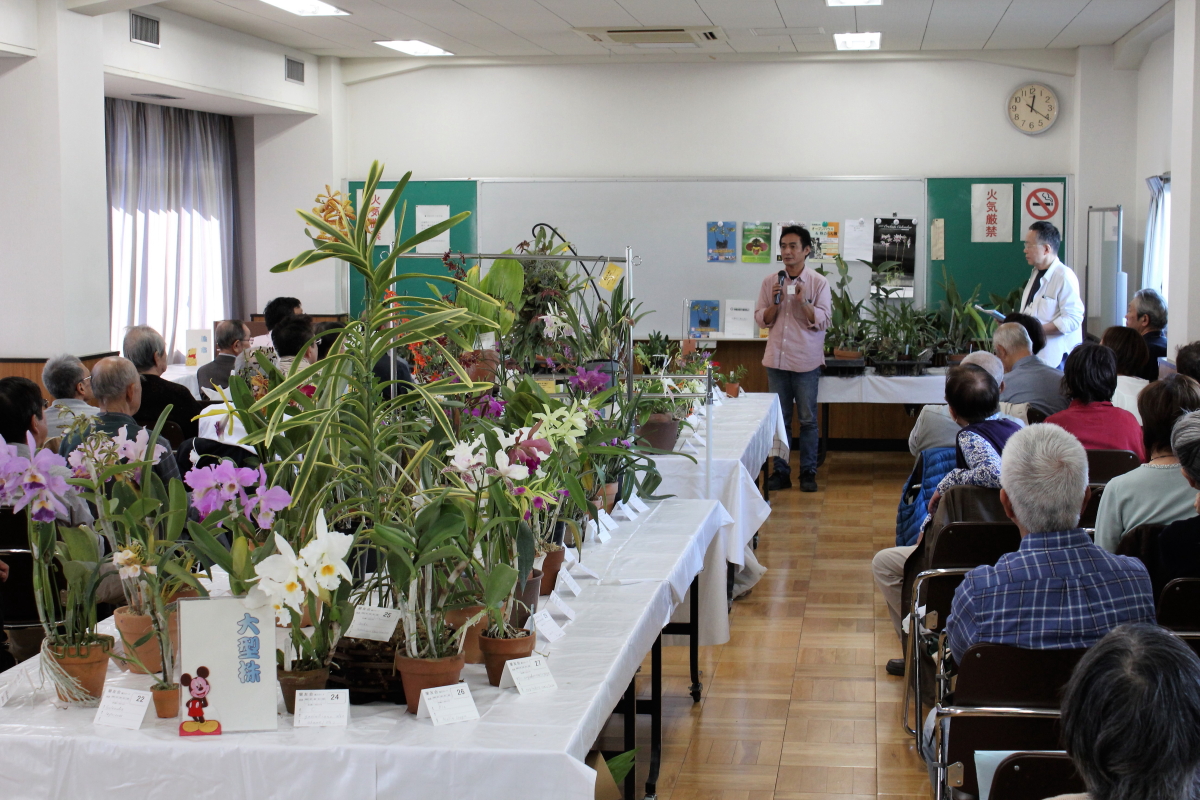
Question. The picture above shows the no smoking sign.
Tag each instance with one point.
(1041, 202)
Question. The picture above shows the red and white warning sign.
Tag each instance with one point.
(1042, 202)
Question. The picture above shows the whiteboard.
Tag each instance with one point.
(663, 220)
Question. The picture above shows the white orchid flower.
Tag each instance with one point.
(505, 469)
(465, 457)
(282, 576)
(325, 555)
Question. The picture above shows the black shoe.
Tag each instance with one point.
(895, 666)
(778, 481)
(808, 482)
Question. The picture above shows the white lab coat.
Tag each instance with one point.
(1057, 300)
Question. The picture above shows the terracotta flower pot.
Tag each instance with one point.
(610, 494)
(659, 432)
(458, 617)
(486, 366)
(87, 664)
(426, 673)
(166, 702)
(291, 682)
(520, 612)
(498, 651)
(134, 627)
(550, 566)
(733, 389)
(839, 353)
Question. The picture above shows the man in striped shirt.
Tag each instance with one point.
(1059, 591)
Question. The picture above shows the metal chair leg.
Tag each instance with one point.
(655, 718)
(694, 639)
(631, 735)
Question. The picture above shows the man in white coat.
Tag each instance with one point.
(1052, 294)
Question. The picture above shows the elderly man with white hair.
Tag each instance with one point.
(936, 428)
(145, 347)
(1026, 378)
(1059, 591)
(70, 384)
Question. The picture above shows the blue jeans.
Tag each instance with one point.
(798, 389)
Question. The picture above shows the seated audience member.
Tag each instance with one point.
(118, 390)
(1147, 317)
(276, 312)
(146, 349)
(291, 339)
(1130, 351)
(1156, 492)
(1032, 326)
(1089, 380)
(972, 395)
(1131, 717)
(1187, 360)
(69, 383)
(1026, 378)
(934, 426)
(328, 333)
(1179, 542)
(1059, 591)
(232, 338)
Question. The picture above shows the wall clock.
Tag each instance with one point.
(1033, 108)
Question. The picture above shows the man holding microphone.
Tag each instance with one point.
(795, 305)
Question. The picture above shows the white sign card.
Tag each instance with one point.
(122, 708)
(227, 657)
(565, 583)
(637, 503)
(374, 623)
(560, 605)
(585, 569)
(446, 705)
(529, 675)
(321, 708)
(858, 240)
(689, 447)
(624, 512)
(739, 319)
(427, 217)
(198, 347)
(545, 625)
(387, 230)
(4, 690)
(1042, 202)
(606, 520)
(991, 212)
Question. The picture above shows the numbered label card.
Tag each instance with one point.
(624, 511)
(560, 605)
(122, 708)
(637, 503)
(565, 583)
(606, 520)
(689, 447)
(585, 569)
(446, 705)
(322, 708)
(373, 622)
(4, 690)
(529, 675)
(545, 625)
(591, 530)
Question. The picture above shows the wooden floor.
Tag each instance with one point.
(797, 705)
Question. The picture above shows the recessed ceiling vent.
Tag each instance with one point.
(143, 29)
(293, 70)
(156, 96)
(671, 38)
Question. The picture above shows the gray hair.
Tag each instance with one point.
(141, 344)
(1044, 472)
(1013, 337)
(1149, 303)
(1185, 443)
(112, 376)
(990, 363)
(62, 374)
(230, 332)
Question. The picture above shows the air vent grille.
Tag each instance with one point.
(683, 36)
(293, 70)
(143, 29)
(155, 96)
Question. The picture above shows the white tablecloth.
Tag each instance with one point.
(872, 388)
(529, 747)
(184, 376)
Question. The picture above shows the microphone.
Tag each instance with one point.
(779, 296)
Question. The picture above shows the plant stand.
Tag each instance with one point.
(367, 670)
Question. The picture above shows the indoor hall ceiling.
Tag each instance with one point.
(531, 28)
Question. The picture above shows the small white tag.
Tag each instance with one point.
(374, 623)
(547, 627)
(529, 675)
(624, 511)
(701, 410)
(564, 583)
(5, 688)
(693, 420)
(122, 708)
(322, 708)
(689, 447)
(446, 705)
(561, 605)
(607, 521)
(602, 535)
(585, 569)
(791, 288)
(591, 530)
(487, 341)
(570, 557)
(638, 505)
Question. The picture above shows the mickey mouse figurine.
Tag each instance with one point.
(198, 687)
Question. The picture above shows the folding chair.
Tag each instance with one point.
(1005, 698)
(1035, 416)
(1179, 605)
(958, 548)
(1104, 465)
(1087, 519)
(1035, 776)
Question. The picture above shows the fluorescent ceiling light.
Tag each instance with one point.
(838, 3)
(308, 8)
(415, 47)
(856, 41)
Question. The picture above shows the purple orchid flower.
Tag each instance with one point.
(588, 381)
(539, 503)
(518, 490)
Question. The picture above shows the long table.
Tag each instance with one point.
(873, 388)
(530, 747)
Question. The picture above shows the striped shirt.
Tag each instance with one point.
(1057, 592)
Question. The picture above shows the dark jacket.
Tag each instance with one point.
(1156, 343)
(216, 372)
(157, 394)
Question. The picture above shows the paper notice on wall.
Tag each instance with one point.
(427, 217)
(1042, 202)
(756, 242)
(739, 319)
(857, 241)
(825, 240)
(722, 241)
(991, 212)
(387, 229)
(937, 240)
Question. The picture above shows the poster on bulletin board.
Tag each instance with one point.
(895, 239)
(722, 241)
(704, 317)
(756, 242)
(824, 240)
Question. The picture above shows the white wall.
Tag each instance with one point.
(925, 119)
(18, 26)
(1153, 133)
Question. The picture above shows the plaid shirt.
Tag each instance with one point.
(1057, 592)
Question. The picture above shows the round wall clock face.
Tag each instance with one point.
(1033, 108)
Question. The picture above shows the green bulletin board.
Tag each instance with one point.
(999, 267)
(459, 195)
